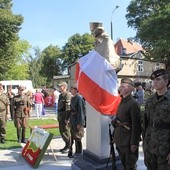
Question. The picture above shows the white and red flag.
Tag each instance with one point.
(97, 83)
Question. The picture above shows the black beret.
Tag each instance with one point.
(127, 81)
(158, 73)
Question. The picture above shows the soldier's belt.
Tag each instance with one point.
(118, 123)
(159, 125)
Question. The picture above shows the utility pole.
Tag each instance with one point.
(111, 24)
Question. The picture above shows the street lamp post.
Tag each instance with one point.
(111, 24)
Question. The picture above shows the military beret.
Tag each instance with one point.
(62, 83)
(21, 88)
(127, 81)
(158, 73)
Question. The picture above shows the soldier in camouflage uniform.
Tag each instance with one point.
(21, 109)
(156, 132)
(63, 111)
(4, 111)
(76, 119)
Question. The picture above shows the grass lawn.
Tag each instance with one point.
(11, 136)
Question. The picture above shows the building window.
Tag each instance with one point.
(123, 51)
(157, 66)
(140, 66)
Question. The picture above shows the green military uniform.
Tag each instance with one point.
(4, 102)
(77, 117)
(127, 131)
(63, 109)
(157, 132)
(21, 105)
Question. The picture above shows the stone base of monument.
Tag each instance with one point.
(89, 161)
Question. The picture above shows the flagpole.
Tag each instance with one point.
(111, 23)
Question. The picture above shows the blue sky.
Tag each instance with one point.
(54, 21)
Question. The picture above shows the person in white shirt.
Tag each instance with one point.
(56, 94)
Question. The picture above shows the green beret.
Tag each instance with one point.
(127, 81)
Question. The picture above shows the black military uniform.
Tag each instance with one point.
(21, 108)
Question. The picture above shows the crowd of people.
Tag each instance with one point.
(128, 130)
(18, 108)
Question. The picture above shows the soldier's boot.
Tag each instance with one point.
(23, 136)
(19, 135)
(66, 148)
(2, 140)
(70, 152)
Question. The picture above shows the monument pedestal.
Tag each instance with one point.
(97, 153)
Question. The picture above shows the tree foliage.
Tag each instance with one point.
(76, 47)
(9, 26)
(51, 63)
(19, 67)
(35, 65)
(151, 19)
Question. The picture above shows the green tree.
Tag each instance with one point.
(35, 65)
(76, 47)
(9, 26)
(19, 69)
(51, 64)
(151, 19)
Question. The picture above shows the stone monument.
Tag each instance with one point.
(97, 153)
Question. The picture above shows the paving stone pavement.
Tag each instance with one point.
(12, 159)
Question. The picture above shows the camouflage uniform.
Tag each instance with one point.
(21, 109)
(4, 102)
(77, 117)
(63, 109)
(157, 132)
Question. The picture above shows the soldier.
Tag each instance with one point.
(21, 109)
(156, 134)
(76, 119)
(127, 126)
(63, 110)
(4, 111)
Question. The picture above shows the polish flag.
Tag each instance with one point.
(97, 83)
